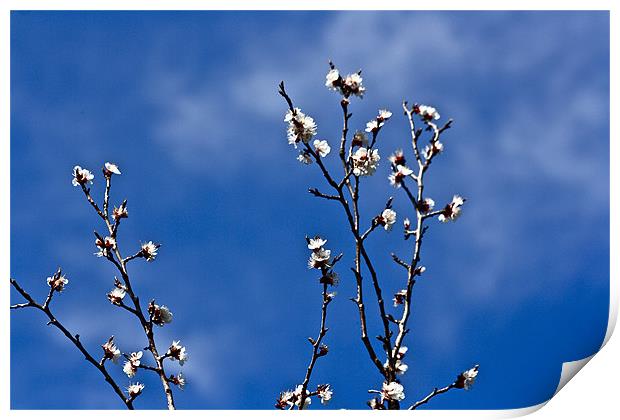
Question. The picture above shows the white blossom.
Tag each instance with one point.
(81, 176)
(353, 84)
(392, 391)
(399, 366)
(322, 147)
(160, 315)
(396, 178)
(401, 352)
(111, 168)
(364, 162)
(384, 114)
(468, 377)
(319, 258)
(397, 158)
(285, 400)
(105, 245)
(297, 396)
(120, 212)
(453, 210)
(57, 282)
(116, 295)
(110, 351)
(388, 218)
(325, 393)
(316, 243)
(373, 126)
(149, 250)
(432, 149)
(135, 389)
(300, 127)
(426, 205)
(131, 365)
(178, 352)
(179, 380)
(427, 112)
(305, 158)
(332, 79)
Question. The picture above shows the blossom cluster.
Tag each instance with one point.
(349, 85)
(290, 399)
(301, 128)
(390, 391)
(160, 314)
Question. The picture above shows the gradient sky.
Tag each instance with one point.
(186, 104)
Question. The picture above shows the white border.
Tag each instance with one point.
(604, 384)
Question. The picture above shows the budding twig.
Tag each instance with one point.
(75, 339)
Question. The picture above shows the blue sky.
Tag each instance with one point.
(186, 103)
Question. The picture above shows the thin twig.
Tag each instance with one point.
(435, 392)
(316, 347)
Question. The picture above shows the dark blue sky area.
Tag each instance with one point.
(186, 104)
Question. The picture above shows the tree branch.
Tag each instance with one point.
(75, 339)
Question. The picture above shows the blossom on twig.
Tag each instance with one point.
(178, 380)
(110, 168)
(160, 315)
(387, 219)
(300, 127)
(325, 393)
(425, 205)
(321, 147)
(149, 250)
(432, 150)
(131, 365)
(304, 157)
(178, 352)
(135, 389)
(110, 351)
(57, 281)
(453, 210)
(347, 86)
(120, 212)
(396, 178)
(81, 176)
(397, 158)
(365, 162)
(466, 379)
(105, 245)
(426, 112)
(316, 243)
(392, 391)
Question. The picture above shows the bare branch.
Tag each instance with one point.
(435, 392)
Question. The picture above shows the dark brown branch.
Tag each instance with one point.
(120, 264)
(315, 192)
(75, 339)
(316, 347)
(399, 261)
(435, 392)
